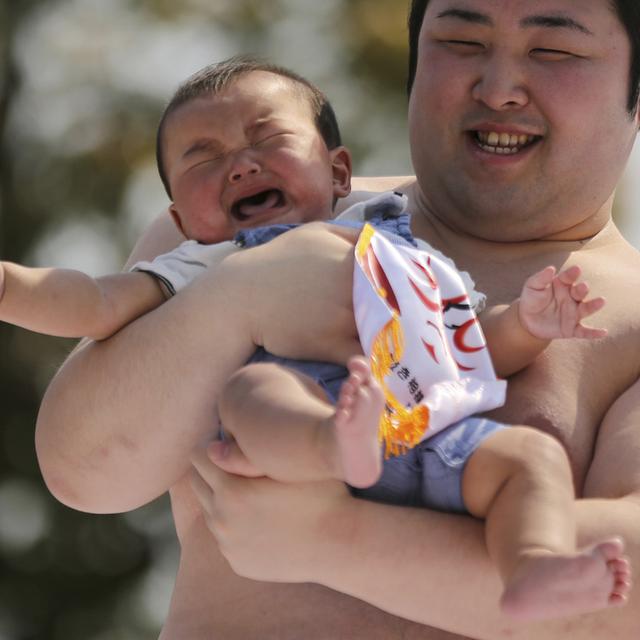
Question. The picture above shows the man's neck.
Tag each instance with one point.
(594, 230)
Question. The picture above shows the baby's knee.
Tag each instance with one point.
(240, 385)
(533, 449)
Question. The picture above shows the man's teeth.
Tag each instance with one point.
(503, 143)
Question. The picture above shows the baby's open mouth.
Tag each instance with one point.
(258, 203)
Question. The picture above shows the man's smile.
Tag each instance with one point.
(503, 143)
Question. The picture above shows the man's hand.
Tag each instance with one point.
(553, 305)
(228, 456)
(265, 529)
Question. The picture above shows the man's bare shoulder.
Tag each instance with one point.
(611, 261)
(159, 237)
(612, 269)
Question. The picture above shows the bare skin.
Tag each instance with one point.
(356, 422)
(328, 566)
(538, 395)
(302, 436)
(280, 424)
(546, 407)
(565, 585)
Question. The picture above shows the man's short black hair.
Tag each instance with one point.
(628, 12)
(214, 78)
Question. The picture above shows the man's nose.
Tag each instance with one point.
(502, 84)
(242, 166)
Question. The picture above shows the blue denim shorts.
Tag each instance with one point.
(430, 474)
(326, 374)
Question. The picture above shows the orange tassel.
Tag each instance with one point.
(401, 428)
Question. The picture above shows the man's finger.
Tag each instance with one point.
(207, 470)
(227, 455)
(202, 491)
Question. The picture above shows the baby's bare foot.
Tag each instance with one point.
(555, 586)
(356, 423)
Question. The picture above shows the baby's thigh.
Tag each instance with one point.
(299, 293)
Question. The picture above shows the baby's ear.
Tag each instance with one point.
(175, 215)
(341, 167)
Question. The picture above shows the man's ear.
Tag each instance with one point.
(175, 215)
(341, 167)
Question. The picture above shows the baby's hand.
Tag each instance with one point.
(553, 305)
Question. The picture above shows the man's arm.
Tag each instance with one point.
(421, 565)
(120, 419)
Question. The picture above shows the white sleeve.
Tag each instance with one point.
(176, 269)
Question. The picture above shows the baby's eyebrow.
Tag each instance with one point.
(204, 145)
(259, 123)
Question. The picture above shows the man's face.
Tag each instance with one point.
(250, 156)
(518, 119)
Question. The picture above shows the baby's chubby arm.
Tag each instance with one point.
(552, 305)
(71, 304)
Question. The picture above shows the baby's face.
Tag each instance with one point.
(250, 156)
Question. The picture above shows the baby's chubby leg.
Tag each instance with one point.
(298, 292)
(520, 481)
(286, 429)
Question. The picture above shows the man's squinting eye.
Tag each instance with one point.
(463, 46)
(552, 54)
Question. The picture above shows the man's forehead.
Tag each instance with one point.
(524, 13)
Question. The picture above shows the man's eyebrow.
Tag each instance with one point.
(549, 21)
(203, 144)
(555, 22)
(467, 16)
